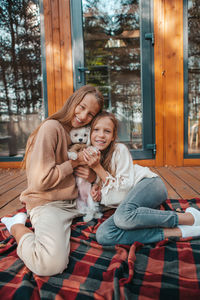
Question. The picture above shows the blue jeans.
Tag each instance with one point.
(137, 217)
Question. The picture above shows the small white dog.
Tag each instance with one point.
(80, 138)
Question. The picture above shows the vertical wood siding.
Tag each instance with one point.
(58, 52)
(173, 83)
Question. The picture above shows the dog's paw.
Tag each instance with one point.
(72, 155)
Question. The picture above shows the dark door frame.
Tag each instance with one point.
(147, 69)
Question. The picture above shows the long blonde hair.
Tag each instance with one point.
(66, 113)
(106, 155)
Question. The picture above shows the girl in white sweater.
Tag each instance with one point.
(134, 190)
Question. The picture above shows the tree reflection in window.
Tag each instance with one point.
(112, 56)
(21, 103)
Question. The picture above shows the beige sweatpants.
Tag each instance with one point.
(46, 251)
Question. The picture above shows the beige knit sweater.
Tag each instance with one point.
(49, 171)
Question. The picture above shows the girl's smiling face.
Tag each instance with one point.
(85, 111)
(102, 133)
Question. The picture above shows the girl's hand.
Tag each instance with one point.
(80, 161)
(81, 157)
(96, 193)
(86, 173)
(92, 158)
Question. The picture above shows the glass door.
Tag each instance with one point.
(112, 44)
(22, 90)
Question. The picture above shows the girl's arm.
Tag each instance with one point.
(116, 187)
(96, 193)
(93, 161)
(79, 161)
(43, 170)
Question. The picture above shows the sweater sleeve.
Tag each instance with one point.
(116, 187)
(43, 171)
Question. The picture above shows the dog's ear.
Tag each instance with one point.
(88, 132)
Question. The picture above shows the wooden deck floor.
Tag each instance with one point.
(181, 182)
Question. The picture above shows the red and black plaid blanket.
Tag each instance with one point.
(166, 270)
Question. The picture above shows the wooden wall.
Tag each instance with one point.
(168, 16)
(58, 52)
(168, 50)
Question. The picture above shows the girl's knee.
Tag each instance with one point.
(118, 219)
(165, 194)
(161, 188)
(49, 265)
(122, 219)
(56, 265)
(103, 237)
(44, 261)
(120, 222)
(100, 236)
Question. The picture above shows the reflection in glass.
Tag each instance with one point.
(193, 76)
(21, 103)
(112, 58)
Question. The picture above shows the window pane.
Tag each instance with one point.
(21, 103)
(194, 76)
(112, 60)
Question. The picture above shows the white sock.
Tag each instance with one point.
(189, 231)
(19, 218)
(196, 214)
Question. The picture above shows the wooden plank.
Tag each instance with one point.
(4, 173)
(9, 177)
(173, 127)
(191, 162)
(188, 179)
(11, 207)
(56, 53)
(66, 49)
(10, 164)
(172, 194)
(145, 163)
(12, 183)
(12, 194)
(179, 74)
(159, 80)
(49, 56)
(194, 171)
(179, 185)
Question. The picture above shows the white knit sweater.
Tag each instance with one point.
(127, 175)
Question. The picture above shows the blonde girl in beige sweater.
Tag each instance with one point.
(51, 192)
